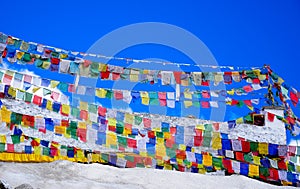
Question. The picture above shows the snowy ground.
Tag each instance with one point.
(64, 174)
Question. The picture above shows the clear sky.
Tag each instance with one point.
(238, 33)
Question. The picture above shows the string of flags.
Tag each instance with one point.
(196, 99)
(253, 159)
(253, 166)
(79, 110)
(14, 50)
(31, 46)
(148, 142)
(23, 81)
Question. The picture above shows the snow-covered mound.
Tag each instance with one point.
(64, 174)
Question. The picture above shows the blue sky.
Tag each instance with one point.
(238, 33)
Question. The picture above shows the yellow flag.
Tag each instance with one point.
(5, 115)
(82, 125)
(187, 103)
(119, 155)
(240, 120)
(111, 139)
(179, 161)
(2, 139)
(168, 167)
(216, 143)
(159, 162)
(65, 109)
(63, 56)
(60, 130)
(280, 80)
(298, 168)
(182, 147)
(49, 105)
(263, 148)
(35, 89)
(12, 92)
(112, 121)
(129, 118)
(37, 150)
(80, 154)
(145, 101)
(134, 77)
(256, 72)
(83, 106)
(102, 67)
(167, 135)
(231, 92)
(96, 157)
(253, 170)
(262, 77)
(251, 108)
(53, 84)
(201, 127)
(101, 93)
(160, 140)
(187, 95)
(22, 138)
(20, 55)
(207, 160)
(256, 160)
(160, 150)
(46, 65)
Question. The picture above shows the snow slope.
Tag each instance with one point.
(64, 174)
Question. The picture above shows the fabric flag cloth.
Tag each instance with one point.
(271, 117)
(236, 145)
(294, 98)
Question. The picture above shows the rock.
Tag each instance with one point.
(24, 186)
(4, 185)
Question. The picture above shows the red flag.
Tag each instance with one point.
(71, 88)
(198, 140)
(116, 76)
(177, 76)
(248, 102)
(205, 94)
(245, 146)
(248, 88)
(147, 122)
(10, 147)
(271, 117)
(37, 100)
(205, 83)
(131, 143)
(118, 95)
(205, 104)
(234, 102)
(256, 81)
(294, 98)
(83, 115)
(151, 134)
(101, 111)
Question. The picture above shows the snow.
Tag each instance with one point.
(64, 174)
